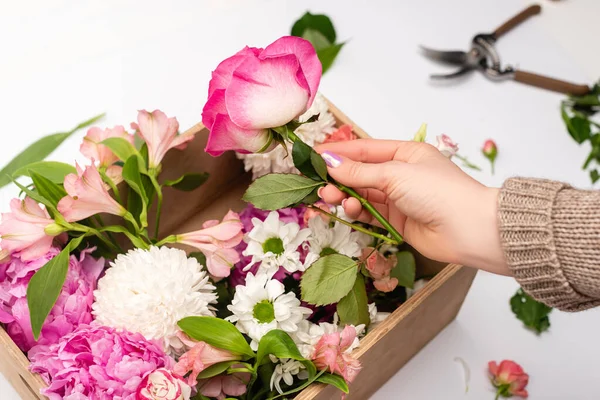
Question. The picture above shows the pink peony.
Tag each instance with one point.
(446, 146)
(87, 196)
(160, 134)
(163, 385)
(97, 362)
(92, 148)
(72, 308)
(200, 357)
(24, 229)
(379, 268)
(222, 386)
(342, 134)
(217, 241)
(259, 89)
(508, 378)
(331, 353)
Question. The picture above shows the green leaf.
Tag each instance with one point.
(281, 345)
(35, 196)
(216, 369)
(329, 279)
(594, 176)
(188, 182)
(198, 256)
(135, 240)
(52, 170)
(47, 189)
(405, 269)
(303, 156)
(216, 332)
(319, 22)
(133, 177)
(316, 38)
(275, 191)
(44, 288)
(312, 198)
(328, 55)
(577, 126)
(353, 309)
(39, 150)
(334, 380)
(120, 147)
(533, 313)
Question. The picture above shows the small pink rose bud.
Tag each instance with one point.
(508, 378)
(490, 151)
(446, 146)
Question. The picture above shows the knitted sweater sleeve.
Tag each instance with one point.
(550, 236)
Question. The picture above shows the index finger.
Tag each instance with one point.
(376, 150)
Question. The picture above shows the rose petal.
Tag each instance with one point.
(225, 135)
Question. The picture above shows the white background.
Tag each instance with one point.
(64, 61)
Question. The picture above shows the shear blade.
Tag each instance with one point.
(450, 57)
(456, 74)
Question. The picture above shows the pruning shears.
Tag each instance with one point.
(483, 57)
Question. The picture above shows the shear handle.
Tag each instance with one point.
(516, 20)
(552, 84)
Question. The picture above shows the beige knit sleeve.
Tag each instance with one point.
(550, 235)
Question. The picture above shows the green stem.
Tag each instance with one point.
(234, 370)
(113, 187)
(86, 229)
(376, 214)
(130, 218)
(356, 227)
(159, 195)
(299, 388)
(168, 239)
(101, 225)
(467, 163)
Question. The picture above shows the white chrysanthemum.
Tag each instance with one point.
(364, 240)
(275, 244)
(418, 285)
(376, 317)
(278, 160)
(309, 334)
(149, 291)
(262, 305)
(285, 370)
(326, 239)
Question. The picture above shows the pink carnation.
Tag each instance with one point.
(72, 308)
(97, 362)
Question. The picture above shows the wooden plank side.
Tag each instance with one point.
(14, 366)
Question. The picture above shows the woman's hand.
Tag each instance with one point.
(440, 210)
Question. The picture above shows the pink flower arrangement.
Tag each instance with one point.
(380, 268)
(72, 308)
(331, 354)
(259, 89)
(217, 240)
(97, 362)
(161, 384)
(27, 229)
(87, 196)
(508, 378)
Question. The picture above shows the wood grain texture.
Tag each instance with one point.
(395, 341)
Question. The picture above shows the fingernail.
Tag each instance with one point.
(331, 159)
(320, 191)
(344, 203)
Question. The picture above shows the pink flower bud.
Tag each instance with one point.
(508, 378)
(446, 146)
(161, 384)
(331, 353)
(490, 151)
(200, 357)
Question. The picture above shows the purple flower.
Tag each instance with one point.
(97, 362)
(72, 308)
(287, 215)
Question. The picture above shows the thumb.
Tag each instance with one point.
(357, 174)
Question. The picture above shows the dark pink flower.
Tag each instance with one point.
(259, 89)
(508, 378)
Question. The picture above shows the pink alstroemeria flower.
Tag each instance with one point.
(161, 384)
(160, 134)
(217, 241)
(200, 357)
(379, 268)
(28, 229)
(331, 352)
(259, 89)
(223, 386)
(87, 196)
(446, 146)
(509, 379)
(92, 148)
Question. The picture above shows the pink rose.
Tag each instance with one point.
(490, 151)
(508, 378)
(27, 229)
(446, 146)
(161, 384)
(379, 268)
(259, 89)
(342, 134)
(331, 353)
(200, 357)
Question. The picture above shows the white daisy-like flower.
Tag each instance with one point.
(275, 244)
(418, 285)
(262, 305)
(285, 370)
(309, 334)
(364, 240)
(326, 239)
(149, 291)
(376, 317)
(277, 160)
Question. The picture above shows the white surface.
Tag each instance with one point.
(64, 61)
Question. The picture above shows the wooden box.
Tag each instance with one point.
(396, 340)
